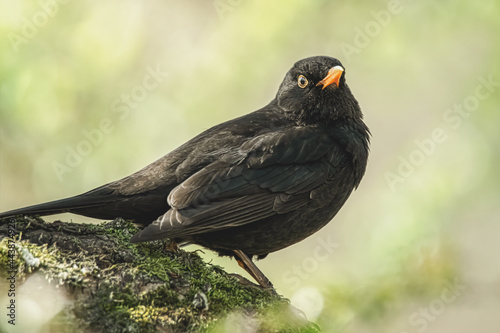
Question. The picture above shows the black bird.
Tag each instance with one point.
(252, 185)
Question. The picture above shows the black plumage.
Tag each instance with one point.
(251, 185)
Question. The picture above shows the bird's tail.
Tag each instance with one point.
(75, 204)
(104, 203)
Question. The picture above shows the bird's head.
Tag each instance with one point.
(314, 91)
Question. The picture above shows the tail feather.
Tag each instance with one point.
(102, 203)
(67, 205)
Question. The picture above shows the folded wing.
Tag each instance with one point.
(273, 173)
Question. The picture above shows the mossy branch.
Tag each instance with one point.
(111, 285)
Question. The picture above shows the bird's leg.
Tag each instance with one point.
(247, 264)
(172, 247)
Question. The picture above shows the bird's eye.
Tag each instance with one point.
(302, 81)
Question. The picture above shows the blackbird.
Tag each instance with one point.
(252, 185)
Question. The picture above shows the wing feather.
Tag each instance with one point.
(274, 173)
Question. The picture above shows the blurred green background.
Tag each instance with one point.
(415, 249)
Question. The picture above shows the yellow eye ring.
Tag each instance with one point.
(302, 81)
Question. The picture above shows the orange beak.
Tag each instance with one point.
(333, 76)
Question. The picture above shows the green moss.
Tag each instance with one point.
(117, 286)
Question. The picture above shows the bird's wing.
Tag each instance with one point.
(271, 174)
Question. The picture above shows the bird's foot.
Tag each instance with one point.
(246, 282)
(247, 264)
(172, 247)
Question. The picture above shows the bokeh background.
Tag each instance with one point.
(417, 246)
